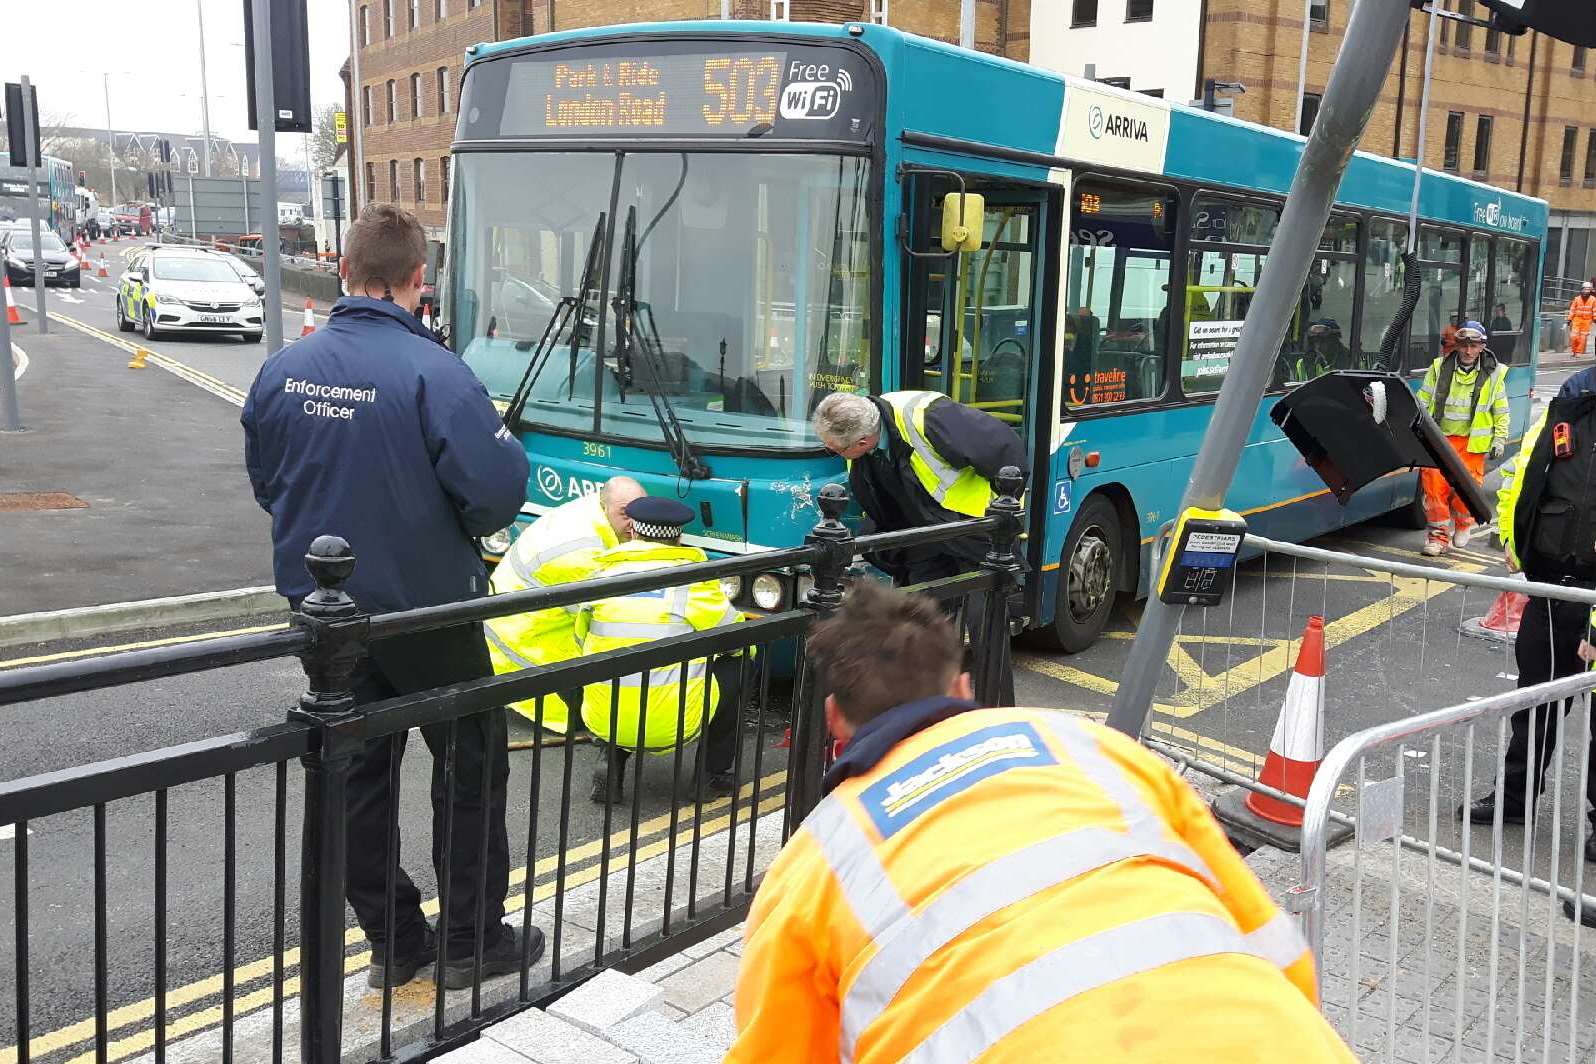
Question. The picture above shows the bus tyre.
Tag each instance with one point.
(1088, 576)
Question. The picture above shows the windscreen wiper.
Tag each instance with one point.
(570, 309)
(639, 356)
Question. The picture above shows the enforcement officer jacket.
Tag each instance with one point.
(1524, 478)
(889, 488)
(1017, 885)
(369, 430)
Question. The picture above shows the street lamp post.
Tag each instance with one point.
(110, 137)
(205, 96)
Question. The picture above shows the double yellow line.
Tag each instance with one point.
(182, 370)
(544, 875)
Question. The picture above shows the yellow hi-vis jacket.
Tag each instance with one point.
(560, 547)
(1018, 885)
(681, 697)
(964, 491)
(1490, 421)
(1513, 485)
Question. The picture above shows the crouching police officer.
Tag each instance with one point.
(679, 695)
(560, 547)
(369, 430)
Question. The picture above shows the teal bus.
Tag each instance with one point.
(667, 242)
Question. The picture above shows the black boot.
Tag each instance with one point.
(406, 965)
(712, 785)
(502, 956)
(608, 784)
(1483, 811)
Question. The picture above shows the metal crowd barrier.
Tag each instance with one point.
(1473, 954)
(632, 912)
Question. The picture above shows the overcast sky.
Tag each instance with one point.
(151, 52)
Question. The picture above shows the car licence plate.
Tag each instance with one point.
(215, 319)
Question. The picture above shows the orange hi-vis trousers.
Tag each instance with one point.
(1442, 507)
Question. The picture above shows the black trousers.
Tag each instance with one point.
(481, 772)
(720, 734)
(1547, 648)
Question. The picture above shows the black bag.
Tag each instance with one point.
(1565, 517)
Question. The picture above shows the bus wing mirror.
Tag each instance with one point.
(434, 262)
(963, 221)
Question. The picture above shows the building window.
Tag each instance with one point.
(415, 13)
(365, 24)
(1139, 10)
(393, 180)
(440, 10)
(1310, 111)
(1083, 13)
(443, 90)
(371, 182)
(1463, 33)
(365, 105)
(415, 95)
(1482, 145)
(443, 180)
(387, 18)
(1579, 60)
(1493, 42)
(1319, 13)
(1454, 141)
(473, 3)
(1565, 166)
(1590, 157)
(418, 173)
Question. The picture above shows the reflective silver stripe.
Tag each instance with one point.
(1072, 970)
(945, 474)
(1089, 758)
(990, 889)
(676, 600)
(524, 567)
(639, 629)
(1279, 941)
(872, 897)
(507, 650)
(670, 674)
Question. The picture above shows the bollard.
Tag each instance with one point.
(994, 669)
(338, 645)
(809, 737)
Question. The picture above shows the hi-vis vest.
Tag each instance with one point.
(964, 491)
(666, 718)
(560, 547)
(1486, 417)
(1017, 885)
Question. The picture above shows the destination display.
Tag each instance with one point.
(636, 89)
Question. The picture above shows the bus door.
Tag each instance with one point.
(976, 319)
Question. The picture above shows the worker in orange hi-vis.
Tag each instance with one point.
(1581, 309)
(1005, 885)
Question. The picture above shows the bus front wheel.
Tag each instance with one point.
(1088, 576)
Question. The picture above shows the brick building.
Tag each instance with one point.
(402, 97)
(1517, 113)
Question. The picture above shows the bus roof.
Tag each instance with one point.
(1065, 121)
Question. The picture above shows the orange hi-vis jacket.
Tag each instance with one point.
(1018, 885)
(1582, 309)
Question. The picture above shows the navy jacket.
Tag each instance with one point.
(369, 430)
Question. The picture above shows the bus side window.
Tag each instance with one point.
(1438, 314)
(1511, 308)
(1116, 327)
(1383, 274)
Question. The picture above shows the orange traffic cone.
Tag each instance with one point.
(103, 271)
(13, 316)
(310, 320)
(1501, 621)
(1297, 746)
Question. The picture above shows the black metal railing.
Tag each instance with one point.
(571, 886)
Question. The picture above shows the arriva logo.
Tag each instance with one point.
(560, 488)
(1496, 216)
(1099, 124)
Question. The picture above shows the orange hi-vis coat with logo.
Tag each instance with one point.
(1020, 885)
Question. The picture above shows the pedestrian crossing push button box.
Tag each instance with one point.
(1200, 565)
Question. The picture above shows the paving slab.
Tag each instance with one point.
(547, 1039)
(607, 999)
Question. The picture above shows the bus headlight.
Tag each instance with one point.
(806, 584)
(731, 587)
(768, 592)
(498, 542)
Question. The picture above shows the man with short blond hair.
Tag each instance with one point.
(369, 430)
